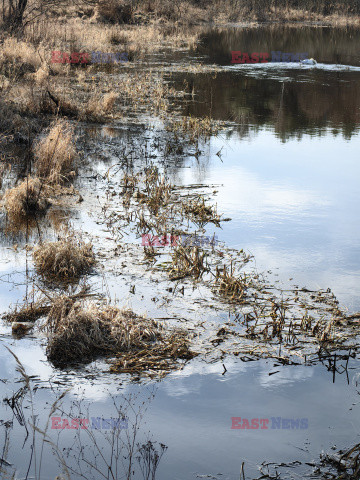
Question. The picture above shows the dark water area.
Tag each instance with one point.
(286, 171)
(286, 97)
(328, 45)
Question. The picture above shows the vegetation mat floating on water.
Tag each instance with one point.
(79, 333)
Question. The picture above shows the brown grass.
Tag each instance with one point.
(194, 127)
(79, 333)
(230, 286)
(99, 106)
(114, 11)
(197, 210)
(29, 312)
(65, 260)
(188, 262)
(25, 199)
(56, 153)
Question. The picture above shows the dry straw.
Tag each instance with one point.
(64, 260)
(25, 199)
(56, 153)
(79, 333)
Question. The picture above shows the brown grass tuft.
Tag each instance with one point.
(55, 154)
(79, 333)
(65, 260)
(114, 11)
(188, 262)
(200, 213)
(25, 199)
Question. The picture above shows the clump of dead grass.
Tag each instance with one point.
(201, 213)
(79, 333)
(231, 286)
(26, 199)
(157, 188)
(41, 76)
(188, 262)
(155, 358)
(30, 312)
(114, 11)
(56, 153)
(20, 53)
(193, 127)
(99, 106)
(65, 260)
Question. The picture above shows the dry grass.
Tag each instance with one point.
(30, 312)
(56, 153)
(114, 11)
(155, 358)
(65, 260)
(187, 262)
(25, 199)
(193, 127)
(41, 76)
(157, 188)
(79, 333)
(230, 286)
(99, 105)
(200, 213)
(21, 52)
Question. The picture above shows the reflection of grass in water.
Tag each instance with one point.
(276, 323)
(111, 452)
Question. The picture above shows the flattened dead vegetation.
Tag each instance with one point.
(79, 333)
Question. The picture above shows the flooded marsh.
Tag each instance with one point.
(127, 353)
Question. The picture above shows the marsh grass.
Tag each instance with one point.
(115, 11)
(55, 154)
(231, 286)
(65, 260)
(26, 199)
(201, 213)
(188, 262)
(158, 190)
(80, 333)
(193, 127)
(29, 312)
(161, 357)
(99, 106)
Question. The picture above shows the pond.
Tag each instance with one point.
(285, 170)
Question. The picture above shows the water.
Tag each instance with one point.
(286, 171)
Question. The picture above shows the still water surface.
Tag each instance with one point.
(287, 172)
